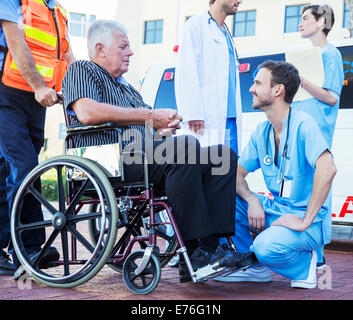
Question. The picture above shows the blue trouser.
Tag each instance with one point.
(231, 140)
(231, 137)
(282, 250)
(21, 138)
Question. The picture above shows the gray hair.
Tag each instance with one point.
(101, 31)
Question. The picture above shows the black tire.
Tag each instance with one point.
(68, 208)
(145, 282)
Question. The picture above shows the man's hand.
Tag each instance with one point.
(166, 120)
(256, 214)
(46, 96)
(291, 221)
(197, 126)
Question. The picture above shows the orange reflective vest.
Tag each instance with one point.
(46, 35)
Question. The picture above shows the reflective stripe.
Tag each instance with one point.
(40, 35)
(39, 1)
(46, 72)
(62, 10)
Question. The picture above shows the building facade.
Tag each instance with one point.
(155, 27)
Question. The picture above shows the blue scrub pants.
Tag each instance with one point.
(21, 138)
(282, 250)
(320, 251)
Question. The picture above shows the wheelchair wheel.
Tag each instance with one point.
(78, 182)
(148, 279)
(166, 240)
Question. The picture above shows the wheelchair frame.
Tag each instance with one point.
(141, 269)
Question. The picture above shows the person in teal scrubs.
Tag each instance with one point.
(298, 170)
(317, 22)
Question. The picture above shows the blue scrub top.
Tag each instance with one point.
(324, 114)
(305, 145)
(10, 11)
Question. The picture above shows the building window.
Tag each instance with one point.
(79, 24)
(346, 16)
(153, 31)
(244, 23)
(293, 18)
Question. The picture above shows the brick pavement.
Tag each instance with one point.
(334, 283)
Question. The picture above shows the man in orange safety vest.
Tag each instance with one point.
(34, 55)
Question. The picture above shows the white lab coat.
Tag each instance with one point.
(201, 80)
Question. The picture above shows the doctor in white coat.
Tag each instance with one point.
(203, 77)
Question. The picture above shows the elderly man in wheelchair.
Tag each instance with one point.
(194, 186)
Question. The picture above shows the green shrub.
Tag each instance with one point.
(50, 189)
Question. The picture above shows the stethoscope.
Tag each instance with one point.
(268, 160)
(227, 30)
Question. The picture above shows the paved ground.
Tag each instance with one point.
(334, 283)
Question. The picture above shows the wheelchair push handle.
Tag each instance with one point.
(60, 98)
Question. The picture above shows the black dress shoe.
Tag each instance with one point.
(239, 260)
(6, 266)
(199, 258)
(47, 261)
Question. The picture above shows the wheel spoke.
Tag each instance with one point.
(65, 248)
(84, 216)
(77, 198)
(34, 225)
(41, 199)
(47, 245)
(61, 191)
(143, 278)
(80, 238)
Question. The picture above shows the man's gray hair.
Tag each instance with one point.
(101, 31)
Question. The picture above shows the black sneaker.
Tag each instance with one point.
(223, 250)
(47, 261)
(6, 266)
(199, 258)
(239, 260)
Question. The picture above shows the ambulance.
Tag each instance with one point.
(157, 89)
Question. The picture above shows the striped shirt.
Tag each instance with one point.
(85, 79)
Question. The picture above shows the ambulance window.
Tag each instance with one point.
(166, 96)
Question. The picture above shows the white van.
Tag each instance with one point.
(157, 89)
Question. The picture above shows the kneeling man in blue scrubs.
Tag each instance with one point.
(298, 170)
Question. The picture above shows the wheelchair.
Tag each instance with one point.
(99, 219)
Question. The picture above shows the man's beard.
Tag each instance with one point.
(261, 103)
(230, 11)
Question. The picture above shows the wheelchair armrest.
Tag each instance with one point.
(81, 129)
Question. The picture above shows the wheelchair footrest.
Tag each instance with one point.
(215, 270)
